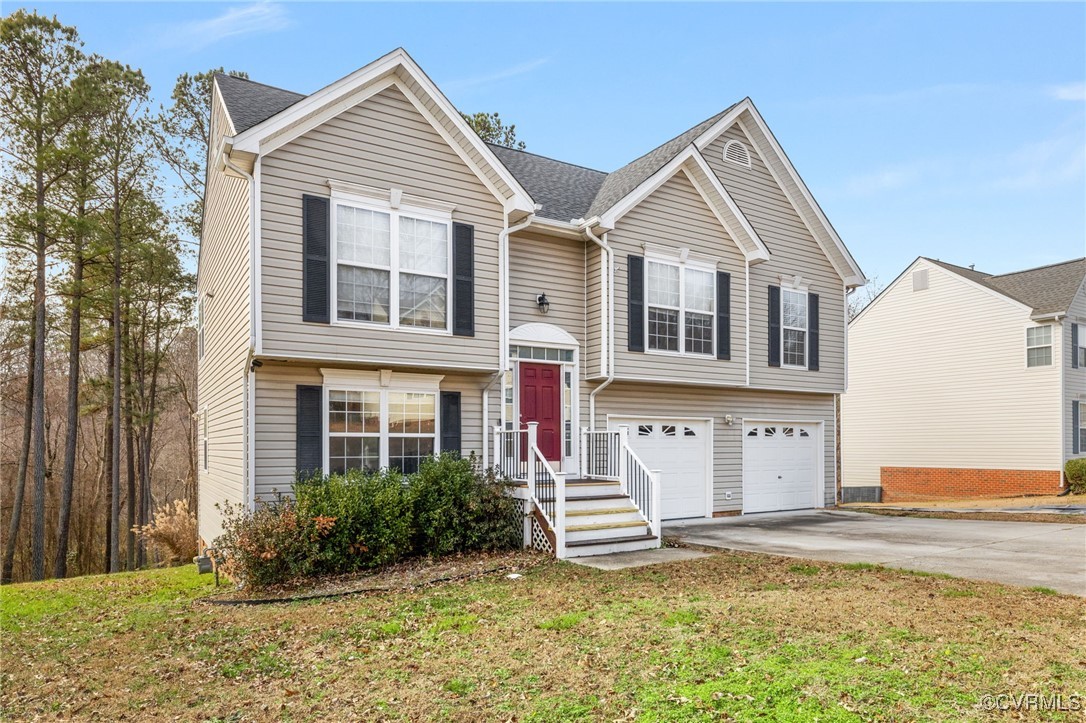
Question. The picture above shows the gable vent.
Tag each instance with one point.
(920, 279)
(736, 152)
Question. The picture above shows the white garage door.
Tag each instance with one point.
(680, 449)
(780, 466)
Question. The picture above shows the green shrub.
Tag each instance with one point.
(458, 508)
(361, 519)
(1075, 469)
(267, 546)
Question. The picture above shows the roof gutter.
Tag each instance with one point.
(607, 314)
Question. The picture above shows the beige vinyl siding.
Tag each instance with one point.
(386, 143)
(592, 353)
(793, 250)
(938, 378)
(1074, 380)
(666, 400)
(221, 373)
(676, 216)
(555, 266)
(276, 409)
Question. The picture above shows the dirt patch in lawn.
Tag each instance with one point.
(1061, 519)
(407, 575)
(726, 637)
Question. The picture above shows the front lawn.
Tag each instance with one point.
(726, 637)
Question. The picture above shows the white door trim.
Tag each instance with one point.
(708, 456)
(820, 453)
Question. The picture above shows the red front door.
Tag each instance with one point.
(541, 401)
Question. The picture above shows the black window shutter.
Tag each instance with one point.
(774, 326)
(723, 315)
(309, 431)
(635, 292)
(450, 422)
(1076, 432)
(463, 291)
(1074, 346)
(316, 269)
(812, 332)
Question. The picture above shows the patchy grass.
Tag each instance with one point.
(731, 636)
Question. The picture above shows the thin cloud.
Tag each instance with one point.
(255, 19)
(1068, 91)
(1053, 161)
(504, 74)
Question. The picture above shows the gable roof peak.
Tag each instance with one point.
(1047, 289)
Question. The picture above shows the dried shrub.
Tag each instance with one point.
(270, 545)
(172, 532)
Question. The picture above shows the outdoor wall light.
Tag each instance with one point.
(543, 303)
(729, 420)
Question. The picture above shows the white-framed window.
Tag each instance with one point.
(680, 308)
(1082, 428)
(793, 328)
(203, 439)
(199, 327)
(1081, 350)
(391, 266)
(373, 422)
(1039, 346)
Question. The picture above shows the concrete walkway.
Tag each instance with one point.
(1030, 554)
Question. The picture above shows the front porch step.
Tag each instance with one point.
(588, 511)
(605, 525)
(607, 545)
(577, 489)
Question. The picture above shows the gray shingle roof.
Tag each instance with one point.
(564, 190)
(250, 103)
(1047, 289)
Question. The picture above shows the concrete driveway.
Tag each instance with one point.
(1048, 554)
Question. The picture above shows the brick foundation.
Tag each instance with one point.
(907, 484)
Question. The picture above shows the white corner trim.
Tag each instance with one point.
(381, 379)
(391, 198)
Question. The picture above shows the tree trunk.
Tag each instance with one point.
(130, 476)
(115, 470)
(20, 477)
(107, 476)
(60, 566)
(37, 520)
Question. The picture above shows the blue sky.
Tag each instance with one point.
(949, 130)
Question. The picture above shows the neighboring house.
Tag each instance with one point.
(376, 285)
(966, 384)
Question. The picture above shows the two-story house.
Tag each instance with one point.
(966, 384)
(376, 285)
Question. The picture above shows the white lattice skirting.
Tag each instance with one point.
(539, 538)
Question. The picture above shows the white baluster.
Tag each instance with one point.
(560, 514)
(533, 438)
(585, 468)
(623, 466)
(657, 517)
(498, 449)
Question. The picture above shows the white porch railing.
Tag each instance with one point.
(600, 453)
(511, 453)
(547, 491)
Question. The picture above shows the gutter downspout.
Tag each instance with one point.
(609, 317)
(503, 324)
(250, 373)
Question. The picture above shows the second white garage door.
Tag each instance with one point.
(780, 466)
(680, 449)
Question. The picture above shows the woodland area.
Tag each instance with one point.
(102, 203)
(101, 212)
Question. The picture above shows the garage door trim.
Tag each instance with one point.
(820, 454)
(614, 419)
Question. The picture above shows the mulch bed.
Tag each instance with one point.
(407, 575)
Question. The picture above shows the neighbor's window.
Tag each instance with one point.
(391, 267)
(1039, 346)
(370, 429)
(794, 328)
(680, 307)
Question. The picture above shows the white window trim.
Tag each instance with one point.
(204, 443)
(1050, 346)
(683, 260)
(367, 199)
(797, 288)
(384, 382)
(1080, 350)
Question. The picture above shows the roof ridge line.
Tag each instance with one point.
(1038, 268)
(266, 85)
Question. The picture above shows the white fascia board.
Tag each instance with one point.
(760, 252)
(852, 275)
(311, 111)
